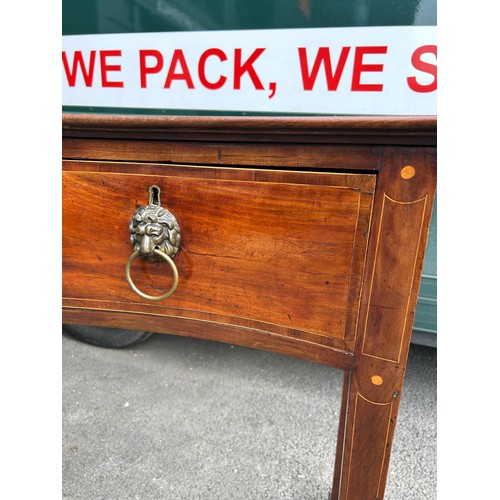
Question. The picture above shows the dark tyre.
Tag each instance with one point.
(106, 337)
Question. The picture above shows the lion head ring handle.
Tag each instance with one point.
(156, 236)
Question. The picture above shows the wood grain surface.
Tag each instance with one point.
(277, 251)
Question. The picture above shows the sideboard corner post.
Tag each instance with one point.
(372, 390)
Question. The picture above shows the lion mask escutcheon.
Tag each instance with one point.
(154, 227)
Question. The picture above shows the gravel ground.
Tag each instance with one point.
(184, 419)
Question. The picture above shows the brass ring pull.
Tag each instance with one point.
(156, 236)
(170, 262)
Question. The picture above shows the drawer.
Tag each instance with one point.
(274, 251)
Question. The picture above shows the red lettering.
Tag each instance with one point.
(425, 67)
(201, 69)
(359, 68)
(178, 58)
(105, 67)
(146, 70)
(322, 57)
(78, 62)
(247, 67)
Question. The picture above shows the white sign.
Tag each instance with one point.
(359, 71)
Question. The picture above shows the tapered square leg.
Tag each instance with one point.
(372, 388)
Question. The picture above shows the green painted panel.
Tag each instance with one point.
(430, 262)
(133, 16)
(425, 315)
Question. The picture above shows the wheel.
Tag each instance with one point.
(106, 337)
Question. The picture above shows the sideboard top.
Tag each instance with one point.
(374, 130)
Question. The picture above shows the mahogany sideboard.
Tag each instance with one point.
(299, 235)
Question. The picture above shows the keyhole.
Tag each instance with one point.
(154, 195)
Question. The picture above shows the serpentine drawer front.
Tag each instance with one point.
(275, 251)
(303, 236)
